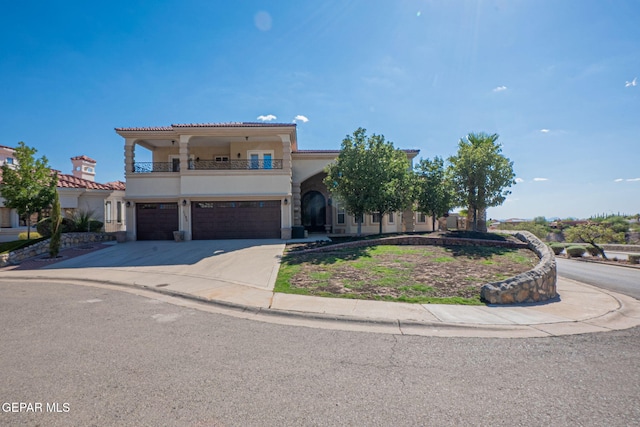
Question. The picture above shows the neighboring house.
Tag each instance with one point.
(235, 180)
(77, 191)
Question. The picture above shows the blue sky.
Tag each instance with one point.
(555, 79)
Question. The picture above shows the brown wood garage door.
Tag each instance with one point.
(236, 220)
(156, 221)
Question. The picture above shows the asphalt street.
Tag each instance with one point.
(619, 279)
(121, 359)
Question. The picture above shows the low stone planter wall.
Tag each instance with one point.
(416, 240)
(67, 240)
(535, 285)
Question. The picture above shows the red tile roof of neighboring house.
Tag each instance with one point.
(117, 185)
(70, 181)
(85, 158)
(206, 125)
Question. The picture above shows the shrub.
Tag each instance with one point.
(592, 250)
(95, 226)
(34, 235)
(575, 251)
(44, 226)
(557, 248)
(634, 259)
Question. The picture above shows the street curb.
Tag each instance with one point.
(347, 319)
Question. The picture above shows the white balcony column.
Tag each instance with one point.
(184, 152)
(286, 152)
(129, 155)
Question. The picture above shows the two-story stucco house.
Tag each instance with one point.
(234, 180)
(78, 191)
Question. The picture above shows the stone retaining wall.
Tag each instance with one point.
(416, 240)
(535, 285)
(67, 240)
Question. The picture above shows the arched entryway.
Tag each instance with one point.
(314, 211)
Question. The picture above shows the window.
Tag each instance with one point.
(422, 217)
(341, 214)
(255, 161)
(107, 213)
(260, 159)
(375, 218)
(359, 218)
(222, 158)
(390, 217)
(119, 212)
(9, 160)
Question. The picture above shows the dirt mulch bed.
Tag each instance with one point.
(406, 273)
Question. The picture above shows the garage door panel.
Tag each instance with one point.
(156, 221)
(236, 220)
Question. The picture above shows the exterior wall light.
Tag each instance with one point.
(128, 204)
(184, 203)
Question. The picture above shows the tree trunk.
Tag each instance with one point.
(380, 224)
(433, 221)
(359, 225)
(28, 226)
(475, 219)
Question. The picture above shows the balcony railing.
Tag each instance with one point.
(235, 164)
(148, 167)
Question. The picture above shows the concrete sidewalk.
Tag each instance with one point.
(237, 277)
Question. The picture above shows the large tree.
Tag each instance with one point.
(480, 174)
(28, 186)
(433, 193)
(370, 176)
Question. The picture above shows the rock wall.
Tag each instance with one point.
(67, 240)
(535, 285)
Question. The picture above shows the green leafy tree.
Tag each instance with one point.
(30, 186)
(433, 194)
(593, 234)
(56, 227)
(370, 176)
(479, 175)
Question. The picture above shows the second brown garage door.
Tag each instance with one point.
(236, 220)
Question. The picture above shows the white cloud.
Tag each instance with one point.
(618, 180)
(518, 180)
(300, 117)
(632, 83)
(540, 179)
(633, 179)
(544, 130)
(262, 20)
(267, 118)
(500, 89)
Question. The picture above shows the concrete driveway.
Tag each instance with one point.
(244, 262)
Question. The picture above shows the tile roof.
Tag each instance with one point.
(70, 181)
(206, 125)
(85, 158)
(117, 185)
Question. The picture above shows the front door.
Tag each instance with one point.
(313, 211)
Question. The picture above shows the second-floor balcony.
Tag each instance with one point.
(243, 164)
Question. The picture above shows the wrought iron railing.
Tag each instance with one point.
(235, 164)
(148, 167)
